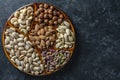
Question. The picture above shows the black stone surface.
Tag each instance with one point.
(97, 53)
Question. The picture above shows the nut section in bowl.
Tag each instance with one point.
(38, 39)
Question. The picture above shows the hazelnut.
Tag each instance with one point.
(54, 13)
(45, 16)
(58, 13)
(50, 16)
(36, 19)
(46, 11)
(41, 5)
(50, 22)
(37, 42)
(54, 18)
(55, 22)
(59, 21)
(61, 16)
(36, 13)
(45, 5)
(41, 15)
(50, 11)
(51, 7)
(40, 20)
(46, 21)
(40, 9)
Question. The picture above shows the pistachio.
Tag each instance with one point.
(67, 31)
(65, 36)
(66, 24)
(21, 51)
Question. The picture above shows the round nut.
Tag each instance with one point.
(50, 11)
(54, 18)
(45, 5)
(50, 22)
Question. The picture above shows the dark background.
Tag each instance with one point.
(97, 53)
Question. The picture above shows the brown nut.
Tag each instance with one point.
(50, 22)
(37, 42)
(42, 24)
(36, 19)
(42, 37)
(40, 10)
(52, 38)
(54, 12)
(55, 22)
(58, 13)
(50, 27)
(50, 11)
(41, 15)
(33, 33)
(46, 28)
(36, 13)
(47, 38)
(59, 21)
(48, 43)
(61, 16)
(40, 20)
(47, 33)
(42, 31)
(37, 38)
(51, 43)
(54, 35)
(41, 5)
(55, 18)
(39, 32)
(50, 16)
(46, 21)
(37, 27)
(51, 30)
(45, 16)
(51, 7)
(46, 6)
(45, 11)
(32, 38)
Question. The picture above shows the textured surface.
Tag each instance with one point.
(97, 53)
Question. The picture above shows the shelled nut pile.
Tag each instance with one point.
(43, 37)
(22, 19)
(66, 37)
(22, 53)
(48, 14)
(38, 39)
(54, 58)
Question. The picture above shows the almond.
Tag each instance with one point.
(42, 37)
(42, 31)
(47, 43)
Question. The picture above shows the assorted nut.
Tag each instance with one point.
(48, 15)
(22, 19)
(43, 37)
(40, 40)
(54, 59)
(65, 37)
(22, 53)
